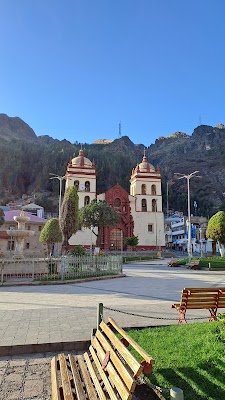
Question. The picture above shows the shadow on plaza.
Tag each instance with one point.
(164, 287)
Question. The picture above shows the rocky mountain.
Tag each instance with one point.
(15, 128)
(27, 160)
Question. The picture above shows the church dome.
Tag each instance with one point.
(81, 161)
(145, 166)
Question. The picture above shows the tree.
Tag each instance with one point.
(131, 241)
(2, 219)
(51, 234)
(98, 214)
(216, 230)
(69, 220)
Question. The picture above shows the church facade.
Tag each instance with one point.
(140, 212)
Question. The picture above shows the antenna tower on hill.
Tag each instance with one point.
(120, 134)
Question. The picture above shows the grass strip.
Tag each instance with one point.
(191, 357)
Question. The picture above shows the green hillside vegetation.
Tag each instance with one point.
(26, 164)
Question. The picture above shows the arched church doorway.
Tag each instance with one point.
(116, 239)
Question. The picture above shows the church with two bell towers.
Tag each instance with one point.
(140, 212)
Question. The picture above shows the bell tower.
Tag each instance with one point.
(145, 189)
(81, 173)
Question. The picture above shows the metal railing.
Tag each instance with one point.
(58, 268)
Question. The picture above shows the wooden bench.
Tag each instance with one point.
(107, 371)
(193, 264)
(200, 298)
(173, 262)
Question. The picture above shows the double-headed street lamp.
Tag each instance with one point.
(188, 177)
(60, 178)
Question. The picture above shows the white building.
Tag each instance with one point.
(140, 212)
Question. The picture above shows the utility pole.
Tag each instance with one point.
(188, 177)
(60, 178)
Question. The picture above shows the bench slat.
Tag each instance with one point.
(203, 295)
(103, 375)
(207, 290)
(198, 306)
(114, 376)
(135, 346)
(201, 301)
(94, 377)
(130, 360)
(86, 377)
(76, 377)
(66, 384)
(55, 384)
(127, 378)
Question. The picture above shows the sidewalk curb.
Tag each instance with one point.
(44, 348)
(57, 347)
(67, 282)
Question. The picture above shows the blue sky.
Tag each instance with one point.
(74, 69)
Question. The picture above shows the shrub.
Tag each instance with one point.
(78, 250)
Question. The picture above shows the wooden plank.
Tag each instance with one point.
(132, 342)
(55, 384)
(76, 377)
(86, 377)
(199, 300)
(210, 290)
(103, 376)
(201, 296)
(221, 304)
(127, 378)
(94, 377)
(66, 384)
(128, 357)
(197, 307)
(114, 375)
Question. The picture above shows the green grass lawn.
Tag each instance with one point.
(138, 258)
(215, 262)
(191, 357)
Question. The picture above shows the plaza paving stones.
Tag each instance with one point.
(25, 377)
(64, 313)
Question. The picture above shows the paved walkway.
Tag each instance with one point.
(63, 313)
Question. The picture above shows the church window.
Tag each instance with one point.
(154, 205)
(86, 200)
(143, 189)
(87, 186)
(76, 184)
(117, 203)
(153, 190)
(27, 246)
(143, 205)
(150, 227)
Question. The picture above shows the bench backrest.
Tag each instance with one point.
(202, 298)
(116, 365)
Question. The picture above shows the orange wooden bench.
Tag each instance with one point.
(200, 298)
(107, 371)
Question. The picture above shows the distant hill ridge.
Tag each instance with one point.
(27, 160)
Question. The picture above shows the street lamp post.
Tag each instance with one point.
(188, 177)
(167, 196)
(60, 178)
(200, 240)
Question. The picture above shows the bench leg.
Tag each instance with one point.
(182, 319)
(213, 312)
